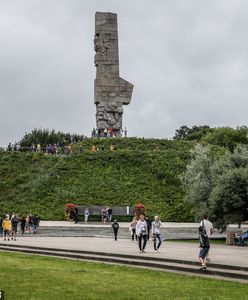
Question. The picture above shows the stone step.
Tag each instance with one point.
(189, 267)
(124, 232)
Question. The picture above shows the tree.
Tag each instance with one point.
(198, 179)
(195, 133)
(226, 137)
(219, 186)
(229, 198)
(181, 133)
(45, 137)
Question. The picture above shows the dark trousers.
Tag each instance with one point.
(133, 234)
(157, 236)
(75, 219)
(23, 229)
(115, 233)
(148, 234)
(144, 238)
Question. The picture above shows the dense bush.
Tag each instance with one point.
(226, 137)
(45, 137)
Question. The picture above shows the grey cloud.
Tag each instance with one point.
(186, 58)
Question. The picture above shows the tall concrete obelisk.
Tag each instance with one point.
(111, 91)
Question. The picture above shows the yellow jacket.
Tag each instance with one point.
(6, 224)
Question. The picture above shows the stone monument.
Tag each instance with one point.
(111, 91)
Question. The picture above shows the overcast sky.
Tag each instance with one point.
(187, 59)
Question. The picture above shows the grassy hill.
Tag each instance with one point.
(139, 170)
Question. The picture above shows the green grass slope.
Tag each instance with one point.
(139, 170)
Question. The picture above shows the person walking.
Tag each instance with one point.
(149, 226)
(115, 227)
(72, 214)
(14, 224)
(133, 229)
(141, 232)
(75, 215)
(6, 228)
(208, 227)
(204, 247)
(1, 226)
(156, 224)
(86, 215)
(23, 225)
(35, 224)
(110, 211)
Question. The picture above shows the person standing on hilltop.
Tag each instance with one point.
(141, 232)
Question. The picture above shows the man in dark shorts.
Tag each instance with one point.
(204, 247)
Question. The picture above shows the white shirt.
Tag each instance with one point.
(156, 227)
(208, 227)
(141, 226)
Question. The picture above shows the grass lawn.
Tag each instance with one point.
(36, 277)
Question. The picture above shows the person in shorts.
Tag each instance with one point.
(6, 228)
(208, 227)
(204, 247)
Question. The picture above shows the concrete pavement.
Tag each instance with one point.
(220, 254)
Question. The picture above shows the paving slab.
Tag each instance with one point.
(220, 254)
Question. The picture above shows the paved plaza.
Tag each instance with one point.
(220, 254)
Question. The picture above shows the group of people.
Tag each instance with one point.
(241, 238)
(94, 148)
(140, 231)
(107, 132)
(11, 224)
(53, 149)
(106, 214)
(73, 214)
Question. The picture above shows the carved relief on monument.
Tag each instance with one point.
(111, 91)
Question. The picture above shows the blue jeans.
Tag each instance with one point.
(157, 236)
(1, 231)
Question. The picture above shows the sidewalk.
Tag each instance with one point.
(101, 224)
(221, 254)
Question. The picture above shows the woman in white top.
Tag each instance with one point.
(141, 232)
(156, 224)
